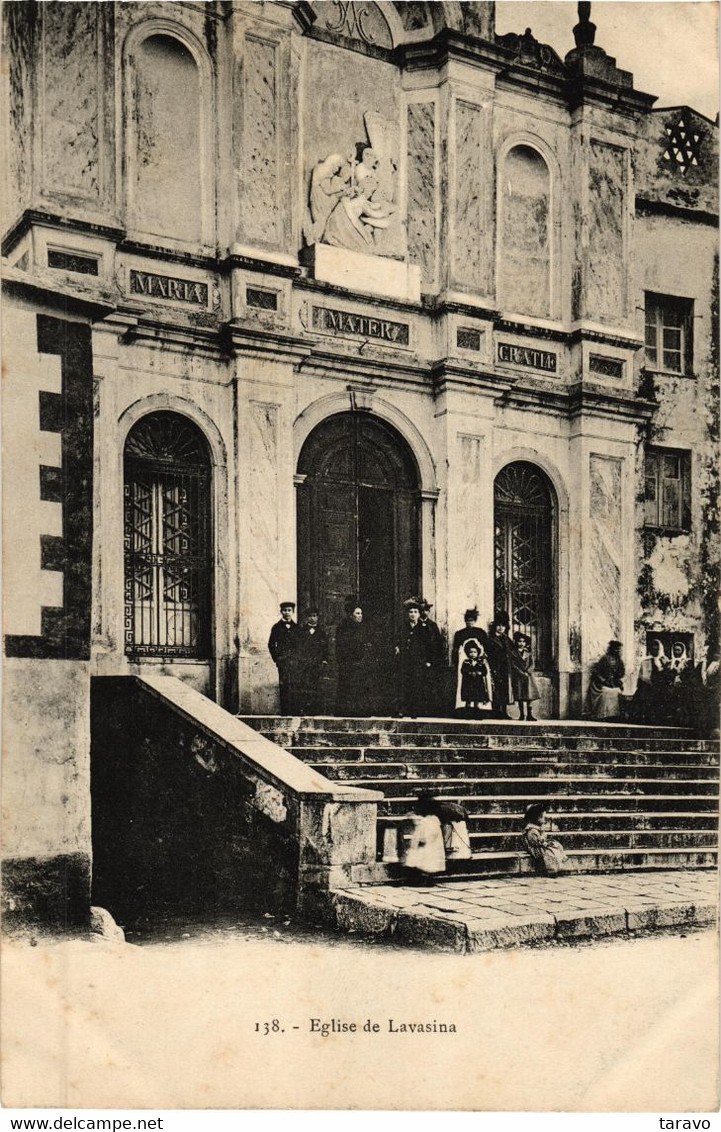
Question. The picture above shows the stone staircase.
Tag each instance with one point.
(621, 797)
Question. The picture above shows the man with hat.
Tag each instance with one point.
(312, 659)
(283, 647)
(435, 640)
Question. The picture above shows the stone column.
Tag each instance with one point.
(265, 510)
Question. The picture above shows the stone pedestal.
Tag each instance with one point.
(370, 274)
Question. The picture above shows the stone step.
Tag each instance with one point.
(381, 772)
(606, 839)
(588, 823)
(564, 803)
(533, 785)
(479, 739)
(558, 727)
(489, 756)
(582, 861)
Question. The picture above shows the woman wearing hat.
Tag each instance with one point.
(416, 653)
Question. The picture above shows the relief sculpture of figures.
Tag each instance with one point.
(352, 199)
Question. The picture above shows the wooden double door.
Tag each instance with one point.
(358, 523)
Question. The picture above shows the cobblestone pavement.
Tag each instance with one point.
(479, 915)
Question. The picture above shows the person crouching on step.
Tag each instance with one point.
(548, 855)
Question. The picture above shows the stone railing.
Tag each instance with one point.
(194, 809)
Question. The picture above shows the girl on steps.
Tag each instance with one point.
(548, 855)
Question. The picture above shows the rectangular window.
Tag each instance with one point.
(668, 489)
(669, 333)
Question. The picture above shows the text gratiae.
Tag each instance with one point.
(526, 356)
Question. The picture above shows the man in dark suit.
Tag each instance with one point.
(312, 659)
(283, 647)
(438, 658)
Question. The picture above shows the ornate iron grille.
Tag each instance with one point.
(524, 548)
(167, 539)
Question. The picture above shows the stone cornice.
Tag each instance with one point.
(326, 362)
(260, 341)
(604, 338)
(596, 400)
(31, 216)
(332, 290)
(455, 375)
(647, 206)
(173, 335)
(92, 303)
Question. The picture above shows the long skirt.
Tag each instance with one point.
(425, 851)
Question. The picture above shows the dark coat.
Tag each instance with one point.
(464, 635)
(283, 642)
(476, 682)
(435, 637)
(312, 646)
(525, 687)
(353, 651)
(499, 650)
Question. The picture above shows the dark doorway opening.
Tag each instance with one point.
(525, 552)
(358, 531)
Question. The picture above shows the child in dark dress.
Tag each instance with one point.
(475, 678)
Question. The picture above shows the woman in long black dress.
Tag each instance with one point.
(353, 656)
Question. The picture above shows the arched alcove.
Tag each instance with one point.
(168, 151)
(525, 245)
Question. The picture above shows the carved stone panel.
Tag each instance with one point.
(263, 518)
(422, 245)
(261, 206)
(603, 592)
(470, 263)
(605, 223)
(72, 98)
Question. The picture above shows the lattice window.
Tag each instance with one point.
(668, 489)
(682, 145)
(167, 539)
(524, 538)
(669, 333)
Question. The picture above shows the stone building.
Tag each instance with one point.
(309, 300)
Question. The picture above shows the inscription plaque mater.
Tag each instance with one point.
(364, 326)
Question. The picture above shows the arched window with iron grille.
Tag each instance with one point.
(525, 510)
(167, 539)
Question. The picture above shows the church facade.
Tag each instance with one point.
(306, 301)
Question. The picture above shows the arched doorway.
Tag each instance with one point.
(167, 543)
(358, 520)
(525, 512)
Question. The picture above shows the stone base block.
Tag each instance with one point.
(52, 892)
(487, 935)
(434, 933)
(589, 924)
(371, 274)
(665, 916)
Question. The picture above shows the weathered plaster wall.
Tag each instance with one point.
(678, 574)
(20, 33)
(46, 790)
(71, 99)
(604, 222)
(660, 179)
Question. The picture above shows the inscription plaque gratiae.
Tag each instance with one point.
(526, 356)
